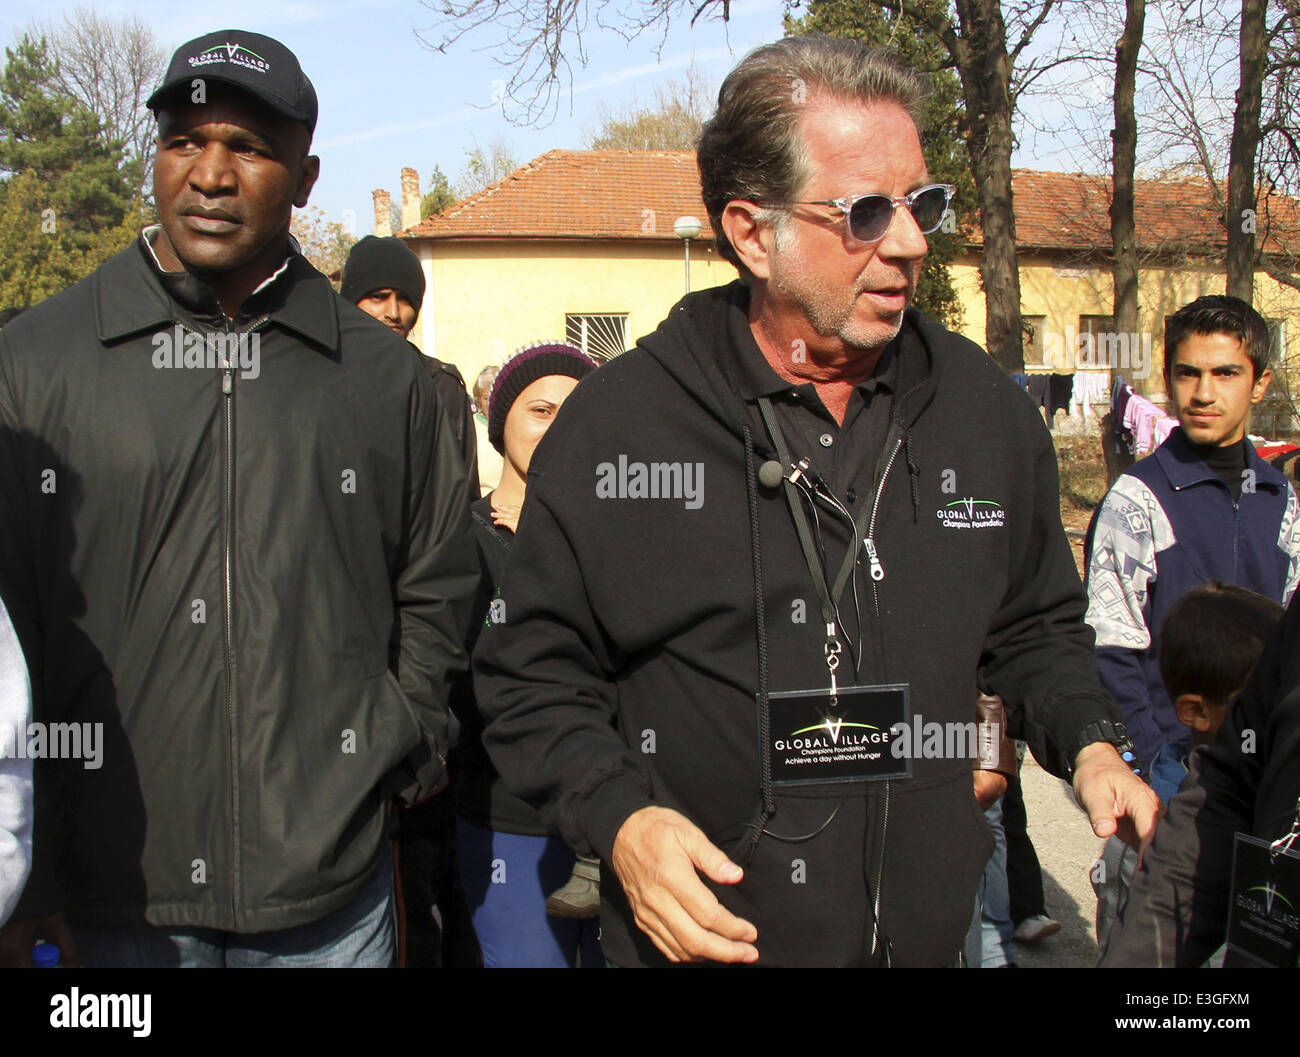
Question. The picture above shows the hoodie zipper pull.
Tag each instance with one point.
(877, 570)
(1283, 843)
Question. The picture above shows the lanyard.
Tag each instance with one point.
(816, 570)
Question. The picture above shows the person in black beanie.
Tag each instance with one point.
(383, 278)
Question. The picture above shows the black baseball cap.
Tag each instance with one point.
(259, 65)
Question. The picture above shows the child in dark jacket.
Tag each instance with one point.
(1210, 641)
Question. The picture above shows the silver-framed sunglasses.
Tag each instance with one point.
(870, 215)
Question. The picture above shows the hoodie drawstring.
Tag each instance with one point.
(768, 808)
(914, 475)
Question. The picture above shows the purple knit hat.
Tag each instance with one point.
(525, 366)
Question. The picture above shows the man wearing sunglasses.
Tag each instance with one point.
(775, 548)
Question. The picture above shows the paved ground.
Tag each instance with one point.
(1066, 850)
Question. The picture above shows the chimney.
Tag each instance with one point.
(410, 198)
(383, 213)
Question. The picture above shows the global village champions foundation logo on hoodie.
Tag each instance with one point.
(972, 513)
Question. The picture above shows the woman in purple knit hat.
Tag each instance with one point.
(509, 860)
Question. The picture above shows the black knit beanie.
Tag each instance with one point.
(383, 264)
(524, 367)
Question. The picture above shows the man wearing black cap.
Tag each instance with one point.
(383, 278)
(235, 541)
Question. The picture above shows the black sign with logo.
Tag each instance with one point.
(814, 737)
(1264, 912)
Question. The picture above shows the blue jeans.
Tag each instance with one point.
(988, 944)
(359, 935)
(507, 877)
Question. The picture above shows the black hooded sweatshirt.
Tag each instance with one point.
(640, 631)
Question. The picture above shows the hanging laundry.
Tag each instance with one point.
(1141, 418)
(1040, 388)
(1090, 387)
(1060, 389)
(1119, 400)
(1164, 426)
(1020, 379)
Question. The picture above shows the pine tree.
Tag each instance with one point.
(65, 207)
(440, 194)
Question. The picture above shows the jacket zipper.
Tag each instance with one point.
(880, 874)
(873, 555)
(228, 576)
(1236, 536)
(228, 504)
(878, 574)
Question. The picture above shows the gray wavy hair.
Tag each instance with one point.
(751, 148)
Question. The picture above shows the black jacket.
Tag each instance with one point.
(1247, 781)
(454, 399)
(258, 585)
(481, 796)
(626, 672)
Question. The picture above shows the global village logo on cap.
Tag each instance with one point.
(235, 54)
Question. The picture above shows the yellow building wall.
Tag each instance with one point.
(485, 298)
(1064, 292)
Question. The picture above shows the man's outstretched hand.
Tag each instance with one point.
(656, 855)
(1117, 800)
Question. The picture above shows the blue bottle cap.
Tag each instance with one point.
(45, 956)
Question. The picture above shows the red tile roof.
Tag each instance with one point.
(1072, 211)
(586, 194)
(625, 194)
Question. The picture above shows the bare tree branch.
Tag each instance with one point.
(537, 41)
(110, 66)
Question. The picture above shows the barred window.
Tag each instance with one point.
(602, 337)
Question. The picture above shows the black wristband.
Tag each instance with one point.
(1104, 730)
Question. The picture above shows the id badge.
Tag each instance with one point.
(1264, 911)
(812, 740)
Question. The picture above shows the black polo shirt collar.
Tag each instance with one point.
(753, 376)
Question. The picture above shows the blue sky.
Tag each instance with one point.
(386, 101)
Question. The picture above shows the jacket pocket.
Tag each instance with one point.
(420, 769)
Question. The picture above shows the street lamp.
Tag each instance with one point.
(687, 228)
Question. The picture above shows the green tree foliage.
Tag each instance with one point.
(110, 65)
(942, 139)
(440, 194)
(65, 207)
(484, 167)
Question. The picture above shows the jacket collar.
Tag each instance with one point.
(1183, 467)
(131, 298)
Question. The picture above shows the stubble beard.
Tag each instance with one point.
(825, 315)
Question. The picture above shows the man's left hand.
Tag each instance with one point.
(1116, 799)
